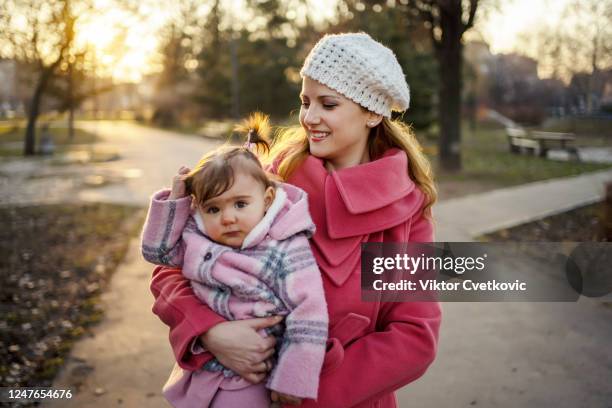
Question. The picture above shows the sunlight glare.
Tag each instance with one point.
(503, 27)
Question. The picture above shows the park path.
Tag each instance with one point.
(151, 155)
(461, 219)
(127, 359)
(490, 354)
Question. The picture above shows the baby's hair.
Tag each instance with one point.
(256, 130)
(215, 172)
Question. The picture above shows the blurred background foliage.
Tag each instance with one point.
(189, 64)
(239, 71)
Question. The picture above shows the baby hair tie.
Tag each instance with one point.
(249, 136)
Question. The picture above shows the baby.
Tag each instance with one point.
(242, 240)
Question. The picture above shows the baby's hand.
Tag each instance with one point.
(178, 184)
(285, 398)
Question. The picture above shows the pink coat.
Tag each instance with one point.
(374, 348)
(273, 273)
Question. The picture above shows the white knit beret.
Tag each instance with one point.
(360, 68)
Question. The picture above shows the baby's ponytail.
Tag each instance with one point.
(256, 131)
(214, 174)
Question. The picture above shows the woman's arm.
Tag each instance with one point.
(187, 317)
(237, 345)
(399, 352)
(421, 229)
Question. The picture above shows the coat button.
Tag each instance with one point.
(207, 256)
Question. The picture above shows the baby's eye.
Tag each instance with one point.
(241, 204)
(212, 210)
(328, 106)
(305, 104)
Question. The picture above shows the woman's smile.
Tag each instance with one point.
(317, 136)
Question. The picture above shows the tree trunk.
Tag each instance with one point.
(235, 79)
(607, 221)
(71, 123)
(71, 102)
(29, 146)
(30, 136)
(450, 62)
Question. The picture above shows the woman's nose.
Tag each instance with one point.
(311, 116)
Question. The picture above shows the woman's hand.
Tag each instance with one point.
(178, 184)
(238, 346)
(284, 398)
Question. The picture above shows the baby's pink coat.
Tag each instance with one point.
(273, 273)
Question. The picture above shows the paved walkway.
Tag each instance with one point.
(490, 354)
(154, 155)
(148, 158)
(518, 354)
(128, 358)
(462, 219)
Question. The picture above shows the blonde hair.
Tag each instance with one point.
(215, 172)
(290, 149)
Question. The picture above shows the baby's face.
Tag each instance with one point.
(229, 217)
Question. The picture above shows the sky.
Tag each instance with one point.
(502, 27)
(136, 57)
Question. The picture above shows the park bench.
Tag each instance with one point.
(539, 143)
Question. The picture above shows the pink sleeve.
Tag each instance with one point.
(303, 349)
(161, 236)
(397, 354)
(421, 229)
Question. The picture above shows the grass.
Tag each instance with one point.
(12, 137)
(589, 132)
(584, 128)
(582, 224)
(56, 260)
(486, 157)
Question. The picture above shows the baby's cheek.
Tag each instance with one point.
(213, 233)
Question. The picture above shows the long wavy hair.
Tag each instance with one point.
(290, 149)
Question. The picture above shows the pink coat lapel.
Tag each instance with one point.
(359, 201)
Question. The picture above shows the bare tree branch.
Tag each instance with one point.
(426, 10)
(470, 23)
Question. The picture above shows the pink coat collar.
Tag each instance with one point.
(350, 204)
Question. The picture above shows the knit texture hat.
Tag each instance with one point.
(361, 69)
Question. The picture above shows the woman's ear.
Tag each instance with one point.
(373, 119)
(269, 197)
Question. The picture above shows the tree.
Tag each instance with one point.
(72, 84)
(447, 21)
(249, 65)
(39, 33)
(580, 42)
(179, 42)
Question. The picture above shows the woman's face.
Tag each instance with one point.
(337, 127)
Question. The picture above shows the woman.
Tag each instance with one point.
(367, 181)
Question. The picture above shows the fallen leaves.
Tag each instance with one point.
(55, 260)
